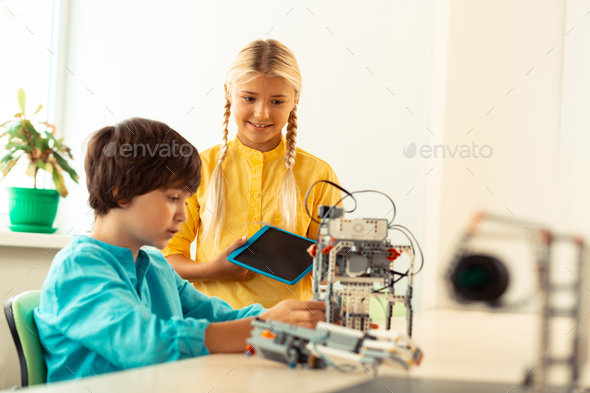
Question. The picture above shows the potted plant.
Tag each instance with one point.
(34, 209)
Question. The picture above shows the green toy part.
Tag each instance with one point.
(377, 309)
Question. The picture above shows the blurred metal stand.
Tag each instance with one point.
(478, 277)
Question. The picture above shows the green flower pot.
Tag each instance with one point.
(32, 209)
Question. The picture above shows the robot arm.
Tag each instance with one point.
(319, 347)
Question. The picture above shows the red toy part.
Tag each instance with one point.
(420, 358)
(326, 249)
(249, 350)
(394, 254)
(313, 249)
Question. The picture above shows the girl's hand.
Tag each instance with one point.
(297, 312)
(220, 269)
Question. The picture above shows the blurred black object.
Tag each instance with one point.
(479, 278)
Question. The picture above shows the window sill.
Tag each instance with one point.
(29, 240)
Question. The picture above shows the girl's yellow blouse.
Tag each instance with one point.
(252, 183)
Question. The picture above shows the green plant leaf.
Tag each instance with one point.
(47, 167)
(29, 127)
(18, 146)
(32, 169)
(65, 166)
(7, 157)
(38, 109)
(56, 143)
(14, 129)
(63, 149)
(58, 179)
(45, 144)
(34, 133)
(5, 123)
(8, 165)
(21, 99)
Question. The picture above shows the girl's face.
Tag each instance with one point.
(261, 109)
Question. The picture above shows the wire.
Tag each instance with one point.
(327, 214)
(381, 289)
(390, 224)
(382, 307)
(348, 194)
(401, 229)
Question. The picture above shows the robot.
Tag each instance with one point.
(357, 253)
(316, 348)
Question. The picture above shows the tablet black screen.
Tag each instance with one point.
(278, 253)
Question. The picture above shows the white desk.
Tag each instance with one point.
(457, 345)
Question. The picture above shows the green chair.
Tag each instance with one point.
(19, 314)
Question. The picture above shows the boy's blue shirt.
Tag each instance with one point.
(101, 312)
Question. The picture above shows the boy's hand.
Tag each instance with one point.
(297, 312)
(220, 269)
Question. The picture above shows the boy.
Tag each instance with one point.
(108, 305)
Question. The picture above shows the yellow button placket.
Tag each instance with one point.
(257, 162)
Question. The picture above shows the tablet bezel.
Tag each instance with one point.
(232, 257)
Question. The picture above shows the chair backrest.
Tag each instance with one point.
(19, 314)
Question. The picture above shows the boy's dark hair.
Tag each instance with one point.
(135, 157)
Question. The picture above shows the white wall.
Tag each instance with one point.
(493, 47)
(161, 60)
(576, 80)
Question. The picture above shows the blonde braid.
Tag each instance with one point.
(289, 201)
(226, 116)
(291, 139)
(214, 216)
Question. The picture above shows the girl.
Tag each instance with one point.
(259, 176)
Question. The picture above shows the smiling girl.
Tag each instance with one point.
(259, 176)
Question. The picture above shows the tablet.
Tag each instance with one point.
(275, 253)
